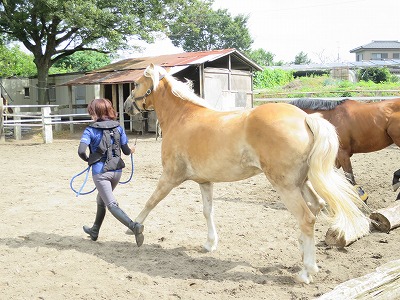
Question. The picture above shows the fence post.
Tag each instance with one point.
(70, 106)
(2, 136)
(58, 125)
(18, 127)
(47, 127)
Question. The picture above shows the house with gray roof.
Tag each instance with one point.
(377, 50)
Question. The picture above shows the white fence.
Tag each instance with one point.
(45, 118)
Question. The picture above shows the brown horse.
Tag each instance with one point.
(294, 150)
(362, 127)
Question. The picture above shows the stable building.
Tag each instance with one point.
(224, 78)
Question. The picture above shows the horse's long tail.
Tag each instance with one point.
(349, 222)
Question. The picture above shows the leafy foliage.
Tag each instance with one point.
(81, 62)
(199, 28)
(375, 74)
(14, 62)
(263, 58)
(302, 59)
(271, 78)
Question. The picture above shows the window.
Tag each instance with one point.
(379, 56)
(359, 57)
(396, 55)
(26, 92)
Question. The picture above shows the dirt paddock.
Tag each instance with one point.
(44, 253)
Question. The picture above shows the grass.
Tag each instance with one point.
(325, 86)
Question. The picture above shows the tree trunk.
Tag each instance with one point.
(43, 95)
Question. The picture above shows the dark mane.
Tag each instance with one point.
(316, 104)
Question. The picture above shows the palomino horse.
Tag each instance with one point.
(362, 127)
(294, 150)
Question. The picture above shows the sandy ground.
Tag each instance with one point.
(44, 253)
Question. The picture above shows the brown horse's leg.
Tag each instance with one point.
(343, 159)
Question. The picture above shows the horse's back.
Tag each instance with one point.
(279, 132)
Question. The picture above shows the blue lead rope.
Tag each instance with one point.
(130, 177)
(87, 170)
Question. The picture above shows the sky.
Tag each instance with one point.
(326, 30)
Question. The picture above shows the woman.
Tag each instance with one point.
(106, 138)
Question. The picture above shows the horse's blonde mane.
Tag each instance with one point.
(183, 90)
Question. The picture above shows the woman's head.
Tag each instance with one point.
(101, 109)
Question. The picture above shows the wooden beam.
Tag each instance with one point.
(382, 284)
(387, 218)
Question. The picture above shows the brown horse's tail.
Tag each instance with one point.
(349, 223)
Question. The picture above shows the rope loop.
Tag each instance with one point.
(87, 170)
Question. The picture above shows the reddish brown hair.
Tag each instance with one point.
(101, 109)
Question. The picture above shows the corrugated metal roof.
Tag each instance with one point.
(128, 70)
(378, 45)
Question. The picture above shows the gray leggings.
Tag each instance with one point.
(105, 184)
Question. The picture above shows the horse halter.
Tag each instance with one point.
(148, 92)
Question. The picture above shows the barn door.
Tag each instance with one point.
(226, 90)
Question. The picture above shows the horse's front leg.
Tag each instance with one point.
(163, 188)
(208, 212)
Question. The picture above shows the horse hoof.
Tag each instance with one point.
(335, 239)
(303, 277)
(210, 248)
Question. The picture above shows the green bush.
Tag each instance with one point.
(374, 74)
(271, 78)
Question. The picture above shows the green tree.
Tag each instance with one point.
(263, 58)
(375, 74)
(14, 62)
(199, 28)
(82, 61)
(54, 29)
(302, 59)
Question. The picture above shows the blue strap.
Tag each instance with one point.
(130, 177)
(87, 170)
(83, 184)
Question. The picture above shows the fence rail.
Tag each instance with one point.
(44, 118)
(49, 116)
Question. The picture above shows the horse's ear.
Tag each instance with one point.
(151, 66)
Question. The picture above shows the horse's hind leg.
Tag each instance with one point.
(208, 212)
(294, 202)
(344, 161)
